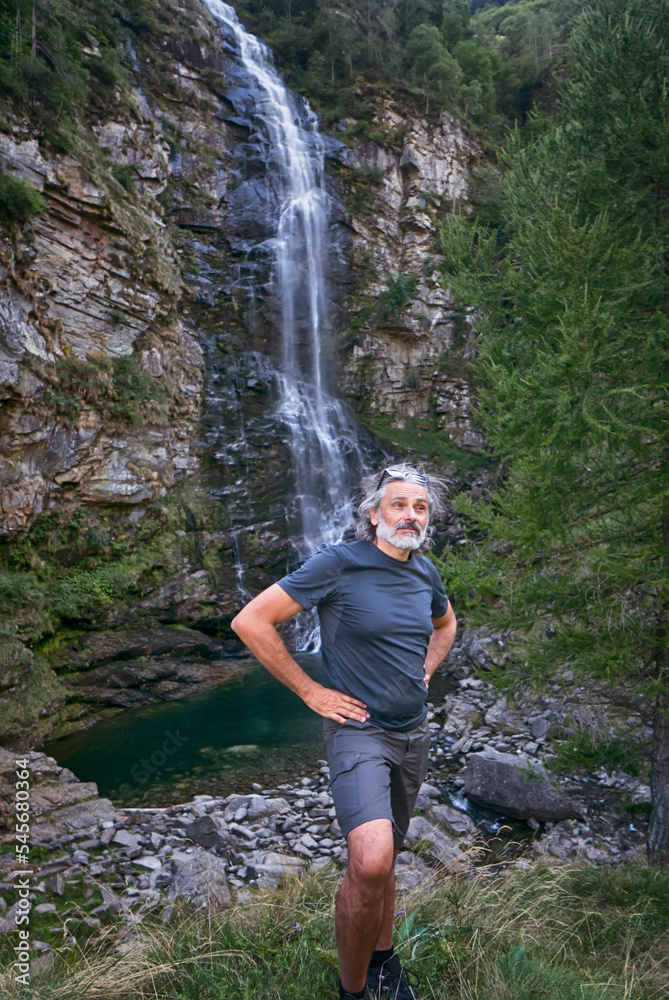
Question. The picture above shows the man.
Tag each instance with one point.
(386, 625)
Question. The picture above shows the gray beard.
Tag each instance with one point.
(390, 534)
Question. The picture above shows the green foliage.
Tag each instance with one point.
(136, 396)
(431, 68)
(125, 174)
(431, 50)
(573, 342)
(590, 749)
(360, 181)
(425, 441)
(116, 386)
(20, 712)
(518, 977)
(18, 199)
(400, 290)
(59, 60)
(71, 568)
(525, 42)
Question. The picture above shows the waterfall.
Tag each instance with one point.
(324, 442)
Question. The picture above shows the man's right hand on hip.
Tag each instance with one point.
(335, 705)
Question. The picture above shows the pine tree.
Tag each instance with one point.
(572, 310)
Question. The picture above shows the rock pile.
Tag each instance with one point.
(210, 851)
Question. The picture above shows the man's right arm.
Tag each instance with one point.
(256, 627)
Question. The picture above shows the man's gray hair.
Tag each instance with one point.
(372, 494)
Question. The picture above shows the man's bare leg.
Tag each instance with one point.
(385, 938)
(362, 914)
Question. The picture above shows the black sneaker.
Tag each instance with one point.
(391, 982)
(349, 996)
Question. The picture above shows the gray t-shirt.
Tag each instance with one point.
(376, 621)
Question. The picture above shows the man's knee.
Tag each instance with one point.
(371, 853)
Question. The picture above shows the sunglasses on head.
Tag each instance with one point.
(411, 477)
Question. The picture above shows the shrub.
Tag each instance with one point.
(18, 200)
(399, 292)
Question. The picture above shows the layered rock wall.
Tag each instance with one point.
(94, 276)
(407, 359)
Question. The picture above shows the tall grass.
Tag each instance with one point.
(542, 934)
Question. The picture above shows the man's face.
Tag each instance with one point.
(402, 515)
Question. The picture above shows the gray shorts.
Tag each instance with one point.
(375, 773)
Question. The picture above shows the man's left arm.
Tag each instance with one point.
(440, 642)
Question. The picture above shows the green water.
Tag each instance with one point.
(221, 741)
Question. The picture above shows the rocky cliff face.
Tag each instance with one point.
(94, 277)
(141, 464)
(407, 361)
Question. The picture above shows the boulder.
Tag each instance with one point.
(512, 785)
(453, 819)
(259, 807)
(276, 866)
(206, 832)
(200, 878)
(442, 847)
(79, 819)
(544, 725)
(503, 718)
(150, 861)
(462, 717)
(254, 807)
(475, 650)
(425, 796)
(129, 841)
(410, 871)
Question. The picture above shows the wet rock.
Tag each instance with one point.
(513, 786)
(89, 650)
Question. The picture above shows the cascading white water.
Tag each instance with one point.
(323, 438)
